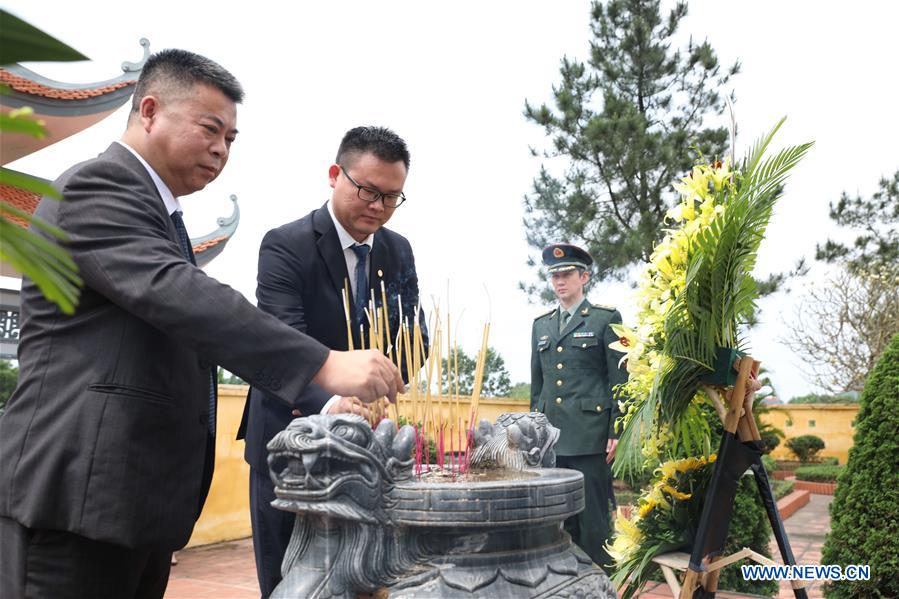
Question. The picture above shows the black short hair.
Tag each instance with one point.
(380, 141)
(174, 70)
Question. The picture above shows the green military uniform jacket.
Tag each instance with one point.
(573, 374)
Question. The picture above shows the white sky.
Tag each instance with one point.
(452, 80)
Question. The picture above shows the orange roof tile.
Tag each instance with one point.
(202, 247)
(21, 199)
(26, 86)
(27, 202)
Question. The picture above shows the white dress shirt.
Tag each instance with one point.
(171, 202)
(346, 243)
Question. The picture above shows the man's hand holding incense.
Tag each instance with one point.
(365, 374)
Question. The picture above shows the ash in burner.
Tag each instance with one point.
(445, 475)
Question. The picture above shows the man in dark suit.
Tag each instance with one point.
(304, 267)
(106, 445)
(574, 373)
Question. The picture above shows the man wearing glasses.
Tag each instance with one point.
(304, 267)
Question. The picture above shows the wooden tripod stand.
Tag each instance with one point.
(740, 449)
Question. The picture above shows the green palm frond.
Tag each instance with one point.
(719, 295)
(46, 263)
(629, 452)
(759, 147)
(34, 252)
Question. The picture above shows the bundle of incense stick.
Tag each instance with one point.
(434, 405)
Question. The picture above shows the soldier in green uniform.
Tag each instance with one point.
(573, 374)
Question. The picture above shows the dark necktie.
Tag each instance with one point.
(563, 321)
(361, 251)
(188, 251)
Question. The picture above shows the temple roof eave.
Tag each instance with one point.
(205, 247)
(130, 72)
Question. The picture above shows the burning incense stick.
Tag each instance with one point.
(346, 312)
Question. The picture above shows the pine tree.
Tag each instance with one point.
(877, 247)
(628, 121)
(865, 509)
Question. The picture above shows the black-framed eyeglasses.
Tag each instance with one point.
(368, 194)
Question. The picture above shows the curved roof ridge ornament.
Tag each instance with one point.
(232, 220)
(211, 245)
(137, 67)
(226, 224)
(130, 73)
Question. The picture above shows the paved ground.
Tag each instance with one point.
(227, 571)
(223, 571)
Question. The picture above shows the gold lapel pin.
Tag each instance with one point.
(584, 312)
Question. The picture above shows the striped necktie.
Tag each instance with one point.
(187, 250)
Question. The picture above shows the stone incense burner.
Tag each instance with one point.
(367, 525)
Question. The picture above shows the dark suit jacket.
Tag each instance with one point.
(301, 276)
(106, 434)
(573, 377)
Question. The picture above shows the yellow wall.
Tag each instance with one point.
(226, 515)
(832, 423)
(489, 408)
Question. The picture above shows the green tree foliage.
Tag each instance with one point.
(520, 391)
(9, 375)
(628, 122)
(227, 378)
(496, 381)
(841, 398)
(865, 509)
(877, 218)
(805, 447)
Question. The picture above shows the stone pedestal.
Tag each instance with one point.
(367, 525)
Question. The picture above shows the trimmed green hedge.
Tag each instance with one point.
(823, 473)
(865, 509)
(805, 447)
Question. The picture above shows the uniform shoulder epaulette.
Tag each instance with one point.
(542, 314)
(605, 307)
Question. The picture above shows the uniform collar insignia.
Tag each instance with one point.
(585, 311)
